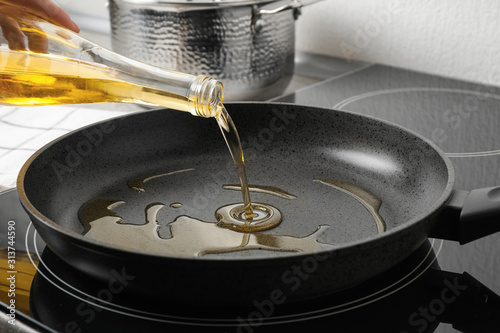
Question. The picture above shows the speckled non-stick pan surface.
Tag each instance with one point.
(286, 146)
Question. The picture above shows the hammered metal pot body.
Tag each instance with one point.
(253, 55)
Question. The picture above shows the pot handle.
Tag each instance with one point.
(277, 7)
(468, 216)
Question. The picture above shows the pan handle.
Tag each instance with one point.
(473, 307)
(469, 215)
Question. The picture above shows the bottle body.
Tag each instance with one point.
(43, 64)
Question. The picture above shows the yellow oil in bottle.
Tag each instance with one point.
(28, 78)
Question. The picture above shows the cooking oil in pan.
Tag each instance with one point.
(369, 200)
(234, 216)
(192, 237)
(189, 237)
(264, 217)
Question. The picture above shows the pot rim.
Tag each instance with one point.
(260, 6)
(198, 4)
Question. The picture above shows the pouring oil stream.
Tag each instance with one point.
(233, 142)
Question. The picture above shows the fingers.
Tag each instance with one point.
(37, 40)
(16, 31)
(12, 33)
(48, 10)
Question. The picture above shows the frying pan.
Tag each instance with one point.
(184, 165)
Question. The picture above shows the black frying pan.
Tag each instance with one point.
(403, 177)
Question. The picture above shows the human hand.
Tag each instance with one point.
(46, 9)
(19, 26)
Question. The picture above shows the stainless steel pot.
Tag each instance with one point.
(247, 44)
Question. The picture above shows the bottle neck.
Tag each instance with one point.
(205, 97)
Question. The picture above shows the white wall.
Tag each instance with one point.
(456, 38)
(89, 7)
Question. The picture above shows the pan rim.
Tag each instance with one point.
(344, 247)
